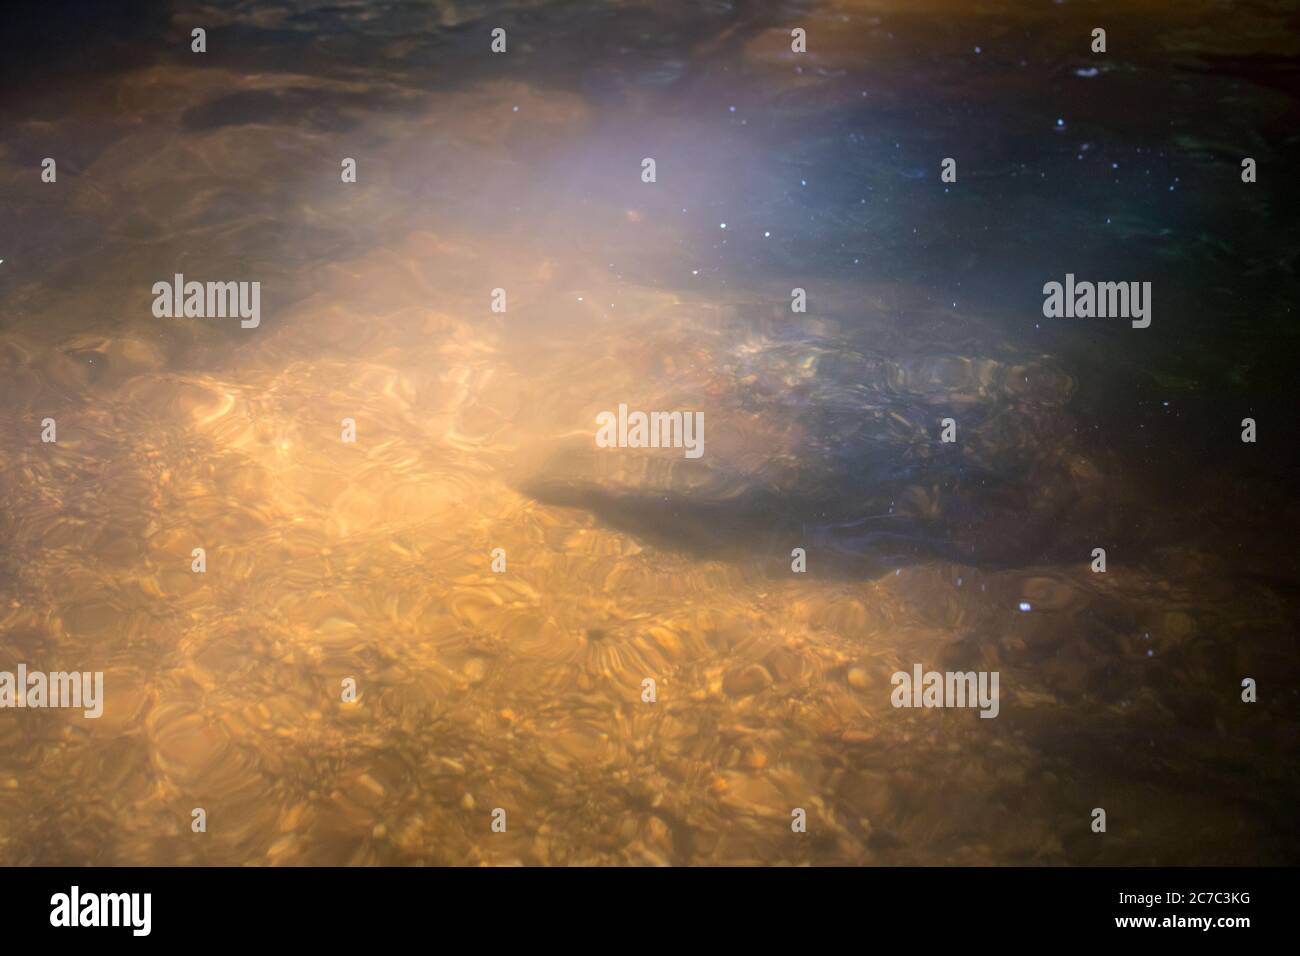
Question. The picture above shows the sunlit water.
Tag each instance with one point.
(522, 690)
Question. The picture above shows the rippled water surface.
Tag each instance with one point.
(329, 560)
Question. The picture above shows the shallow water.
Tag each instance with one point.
(522, 690)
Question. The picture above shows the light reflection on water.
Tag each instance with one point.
(522, 691)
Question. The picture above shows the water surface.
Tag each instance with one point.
(522, 690)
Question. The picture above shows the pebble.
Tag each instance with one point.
(746, 681)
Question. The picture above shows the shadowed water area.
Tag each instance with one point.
(522, 690)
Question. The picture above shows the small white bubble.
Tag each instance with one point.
(1026, 606)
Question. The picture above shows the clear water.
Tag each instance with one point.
(522, 690)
